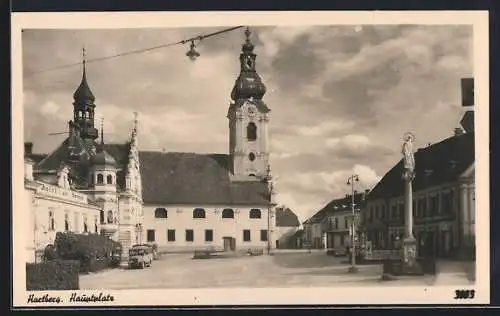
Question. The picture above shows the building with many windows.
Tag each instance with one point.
(180, 201)
(338, 220)
(55, 207)
(443, 199)
(330, 227)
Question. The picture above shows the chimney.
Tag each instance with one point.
(28, 169)
(28, 148)
(459, 131)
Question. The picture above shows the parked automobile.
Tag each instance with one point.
(140, 256)
(340, 251)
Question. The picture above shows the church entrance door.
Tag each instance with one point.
(229, 243)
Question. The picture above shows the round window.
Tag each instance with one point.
(251, 156)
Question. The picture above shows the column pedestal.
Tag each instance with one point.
(410, 265)
(407, 264)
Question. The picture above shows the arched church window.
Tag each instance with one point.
(251, 131)
(100, 179)
(80, 114)
(198, 213)
(110, 217)
(228, 213)
(102, 216)
(109, 179)
(95, 225)
(255, 213)
(161, 213)
(251, 156)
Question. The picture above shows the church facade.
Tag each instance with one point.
(180, 201)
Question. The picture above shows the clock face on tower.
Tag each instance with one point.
(251, 111)
(248, 63)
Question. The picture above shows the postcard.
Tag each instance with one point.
(250, 158)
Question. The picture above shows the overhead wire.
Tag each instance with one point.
(139, 51)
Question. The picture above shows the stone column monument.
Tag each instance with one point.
(410, 264)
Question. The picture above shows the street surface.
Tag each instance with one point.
(284, 269)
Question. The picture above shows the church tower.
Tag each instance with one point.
(103, 183)
(248, 120)
(84, 107)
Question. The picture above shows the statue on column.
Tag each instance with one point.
(408, 157)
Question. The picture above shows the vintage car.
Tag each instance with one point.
(338, 251)
(140, 256)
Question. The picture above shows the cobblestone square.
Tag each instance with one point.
(285, 269)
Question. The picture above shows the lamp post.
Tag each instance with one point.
(350, 181)
(270, 217)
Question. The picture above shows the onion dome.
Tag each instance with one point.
(248, 84)
(83, 95)
(103, 158)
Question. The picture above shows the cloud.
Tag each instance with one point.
(322, 187)
(324, 128)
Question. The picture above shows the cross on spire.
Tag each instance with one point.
(84, 57)
(102, 130)
(135, 120)
(247, 34)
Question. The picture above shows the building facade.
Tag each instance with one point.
(180, 201)
(337, 224)
(331, 226)
(56, 208)
(287, 229)
(443, 200)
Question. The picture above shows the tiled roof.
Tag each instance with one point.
(169, 178)
(37, 157)
(299, 233)
(189, 178)
(437, 164)
(79, 171)
(338, 205)
(285, 217)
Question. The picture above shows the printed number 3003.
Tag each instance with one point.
(464, 294)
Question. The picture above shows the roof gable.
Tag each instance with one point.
(338, 205)
(285, 217)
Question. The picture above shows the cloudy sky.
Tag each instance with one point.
(341, 96)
